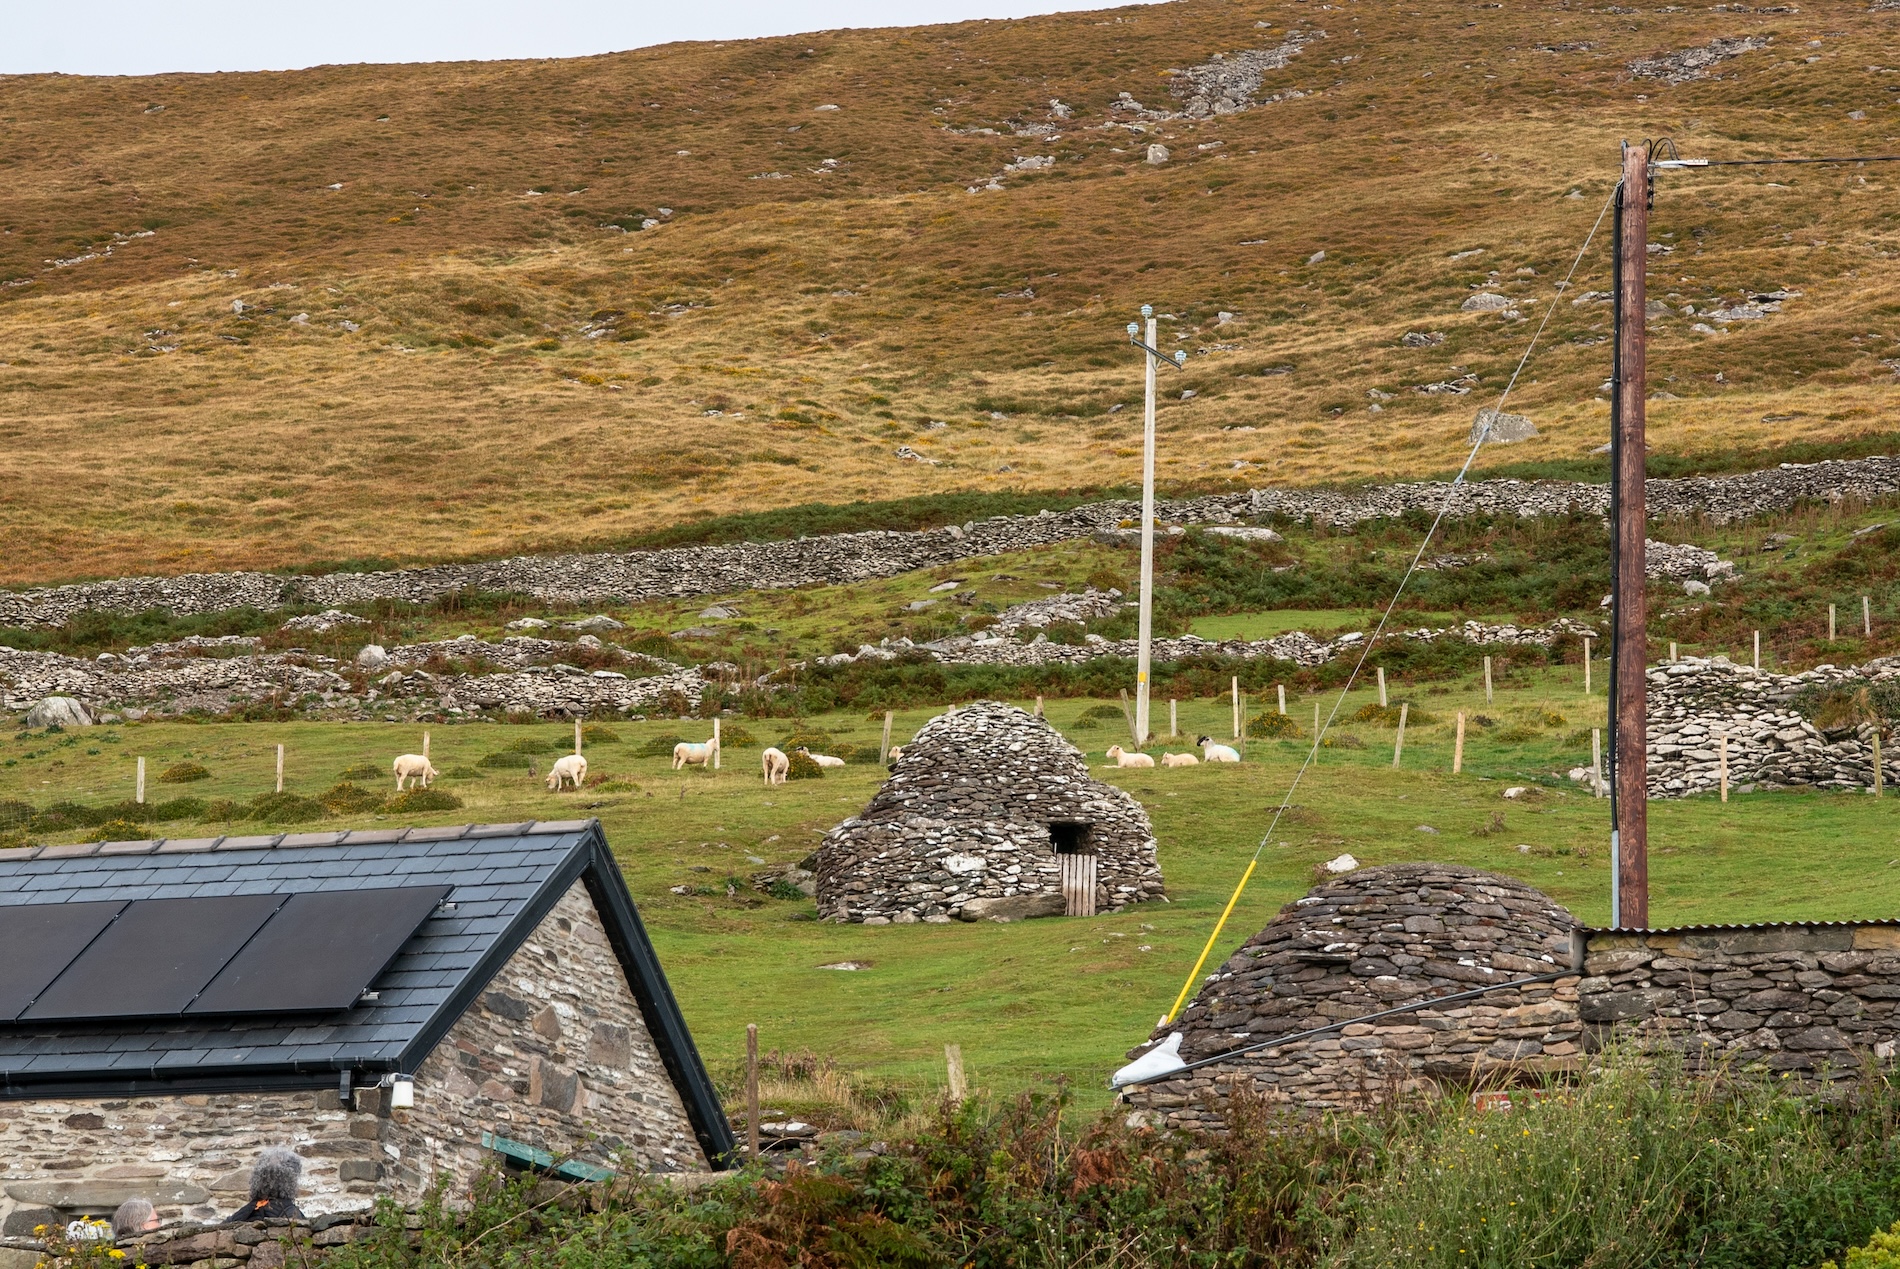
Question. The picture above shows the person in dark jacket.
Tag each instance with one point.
(273, 1188)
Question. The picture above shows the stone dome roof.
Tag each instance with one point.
(972, 810)
(1374, 939)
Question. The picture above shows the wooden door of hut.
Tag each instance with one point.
(1077, 861)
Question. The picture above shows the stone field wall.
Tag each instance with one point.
(854, 557)
(554, 1055)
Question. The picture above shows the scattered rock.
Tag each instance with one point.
(719, 612)
(371, 656)
(324, 622)
(1158, 153)
(1341, 863)
(58, 711)
(527, 623)
(1504, 429)
(599, 621)
(1422, 338)
(1486, 302)
(1693, 63)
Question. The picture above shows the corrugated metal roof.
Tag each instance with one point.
(1751, 925)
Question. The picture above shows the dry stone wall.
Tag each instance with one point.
(1696, 701)
(962, 828)
(854, 557)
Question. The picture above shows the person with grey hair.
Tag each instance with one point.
(135, 1216)
(273, 1188)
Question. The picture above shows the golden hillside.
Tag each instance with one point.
(410, 312)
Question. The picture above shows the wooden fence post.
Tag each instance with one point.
(715, 742)
(884, 745)
(1282, 688)
(752, 1091)
(425, 744)
(1039, 707)
(1174, 718)
(1830, 623)
(1316, 722)
(1381, 670)
(1487, 680)
(577, 733)
(953, 1061)
(1866, 616)
(1672, 652)
(1596, 762)
(1758, 649)
(280, 768)
(139, 792)
(1398, 744)
(1236, 690)
(1458, 746)
(1586, 666)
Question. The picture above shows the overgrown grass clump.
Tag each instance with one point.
(1632, 1166)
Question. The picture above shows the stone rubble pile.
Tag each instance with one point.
(1682, 562)
(855, 557)
(961, 830)
(1366, 941)
(1696, 701)
(1090, 605)
(1228, 85)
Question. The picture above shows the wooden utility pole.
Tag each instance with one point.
(1629, 782)
(752, 1091)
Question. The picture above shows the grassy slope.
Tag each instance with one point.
(1043, 998)
(845, 305)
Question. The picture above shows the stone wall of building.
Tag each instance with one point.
(854, 557)
(555, 1055)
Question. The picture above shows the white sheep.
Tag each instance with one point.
(1179, 760)
(776, 765)
(571, 768)
(413, 766)
(1212, 752)
(686, 753)
(1122, 759)
(822, 759)
(897, 751)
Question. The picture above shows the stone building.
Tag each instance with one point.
(395, 1005)
(989, 813)
(1369, 941)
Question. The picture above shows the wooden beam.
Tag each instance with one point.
(1629, 721)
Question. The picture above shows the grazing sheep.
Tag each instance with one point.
(897, 751)
(1211, 752)
(571, 768)
(822, 759)
(413, 766)
(1179, 760)
(776, 765)
(1122, 759)
(685, 753)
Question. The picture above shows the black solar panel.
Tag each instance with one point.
(37, 942)
(155, 958)
(321, 951)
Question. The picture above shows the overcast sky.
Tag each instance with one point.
(113, 37)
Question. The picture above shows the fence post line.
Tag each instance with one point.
(1315, 721)
(1487, 680)
(1398, 744)
(953, 1065)
(1758, 649)
(715, 742)
(1586, 665)
(280, 768)
(1723, 741)
(1236, 692)
(884, 745)
(1174, 718)
(139, 792)
(752, 1091)
(1282, 689)
(1381, 670)
(1458, 746)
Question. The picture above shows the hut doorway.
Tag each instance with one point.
(1076, 857)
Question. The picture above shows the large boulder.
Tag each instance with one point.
(1506, 429)
(59, 711)
(1016, 907)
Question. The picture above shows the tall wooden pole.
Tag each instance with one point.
(1144, 619)
(1629, 782)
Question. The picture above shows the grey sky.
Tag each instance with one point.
(113, 37)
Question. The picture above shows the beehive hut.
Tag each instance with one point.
(1369, 941)
(396, 1005)
(989, 813)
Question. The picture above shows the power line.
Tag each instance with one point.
(1676, 164)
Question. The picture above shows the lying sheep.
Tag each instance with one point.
(1121, 759)
(776, 765)
(822, 759)
(1211, 752)
(1179, 760)
(686, 753)
(413, 766)
(571, 768)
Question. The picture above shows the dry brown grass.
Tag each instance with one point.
(471, 414)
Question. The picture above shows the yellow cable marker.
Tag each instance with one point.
(1196, 971)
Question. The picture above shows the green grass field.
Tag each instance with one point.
(1034, 1001)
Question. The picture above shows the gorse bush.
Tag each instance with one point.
(1882, 1251)
(1271, 724)
(184, 773)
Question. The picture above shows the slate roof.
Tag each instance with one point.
(505, 878)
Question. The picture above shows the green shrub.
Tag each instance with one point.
(661, 746)
(619, 786)
(1551, 718)
(1882, 1251)
(415, 801)
(361, 771)
(285, 808)
(184, 773)
(599, 734)
(1388, 716)
(61, 816)
(14, 814)
(1105, 713)
(121, 831)
(1518, 734)
(803, 768)
(461, 773)
(176, 809)
(735, 736)
(1342, 740)
(506, 760)
(1270, 724)
(1085, 724)
(225, 811)
(347, 798)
